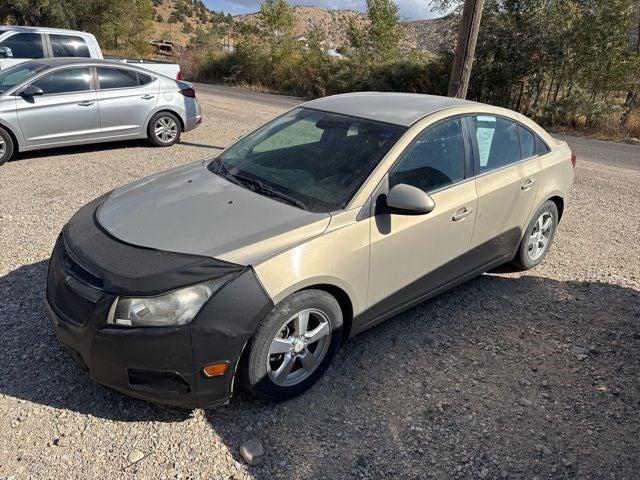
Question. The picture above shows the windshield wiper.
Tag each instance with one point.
(221, 169)
(272, 192)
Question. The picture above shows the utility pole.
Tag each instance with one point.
(466, 49)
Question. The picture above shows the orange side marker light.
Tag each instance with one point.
(216, 369)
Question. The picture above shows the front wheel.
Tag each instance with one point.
(538, 237)
(164, 129)
(6, 146)
(293, 346)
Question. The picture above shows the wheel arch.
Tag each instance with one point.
(559, 201)
(168, 110)
(12, 134)
(343, 300)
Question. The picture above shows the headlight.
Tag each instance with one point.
(178, 307)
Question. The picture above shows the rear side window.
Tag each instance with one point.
(24, 45)
(541, 147)
(498, 141)
(69, 46)
(65, 81)
(527, 143)
(121, 78)
(435, 160)
(144, 79)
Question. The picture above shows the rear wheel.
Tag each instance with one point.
(293, 346)
(164, 129)
(6, 146)
(538, 237)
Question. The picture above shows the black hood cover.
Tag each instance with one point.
(125, 269)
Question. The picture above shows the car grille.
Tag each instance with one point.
(72, 291)
(79, 272)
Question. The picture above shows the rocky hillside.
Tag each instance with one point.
(180, 20)
(334, 23)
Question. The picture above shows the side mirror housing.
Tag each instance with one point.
(5, 52)
(31, 91)
(405, 199)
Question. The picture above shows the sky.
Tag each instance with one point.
(409, 9)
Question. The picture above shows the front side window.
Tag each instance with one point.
(69, 46)
(24, 45)
(312, 159)
(17, 74)
(65, 81)
(435, 160)
(498, 142)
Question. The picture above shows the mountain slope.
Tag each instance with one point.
(424, 35)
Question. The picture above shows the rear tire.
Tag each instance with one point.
(293, 346)
(164, 129)
(538, 237)
(6, 146)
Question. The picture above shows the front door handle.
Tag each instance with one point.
(147, 97)
(86, 103)
(528, 183)
(461, 214)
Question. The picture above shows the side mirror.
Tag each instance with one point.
(31, 91)
(5, 52)
(405, 199)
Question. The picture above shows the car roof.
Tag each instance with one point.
(20, 28)
(69, 61)
(390, 107)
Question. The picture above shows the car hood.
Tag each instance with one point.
(192, 210)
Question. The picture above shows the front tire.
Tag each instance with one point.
(6, 146)
(538, 237)
(293, 346)
(164, 129)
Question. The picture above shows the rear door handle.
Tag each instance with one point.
(528, 183)
(86, 103)
(461, 214)
(147, 97)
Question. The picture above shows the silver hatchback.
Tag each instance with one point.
(60, 102)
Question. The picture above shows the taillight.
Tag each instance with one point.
(573, 159)
(188, 92)
(179, 76)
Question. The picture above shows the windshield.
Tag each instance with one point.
(308, 158)
(13, 76)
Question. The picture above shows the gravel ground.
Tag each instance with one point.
(531, 375)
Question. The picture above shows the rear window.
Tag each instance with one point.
(69, 46)
(109, 77)
(24, 45)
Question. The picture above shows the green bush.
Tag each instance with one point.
(289, 67)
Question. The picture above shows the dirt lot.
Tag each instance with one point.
(531, 375)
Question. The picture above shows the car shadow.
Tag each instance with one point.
(35, 368)
(435, 389)
(99, 147)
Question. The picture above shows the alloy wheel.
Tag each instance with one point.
(3, 148)
(299, 347)
(540, 236)
(166, 129)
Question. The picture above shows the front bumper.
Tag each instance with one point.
(158, 364)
